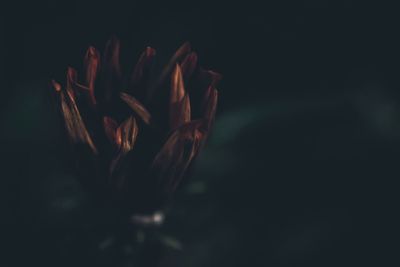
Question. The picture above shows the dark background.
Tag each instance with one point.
(301, 169)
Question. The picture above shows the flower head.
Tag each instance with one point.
(140, 133)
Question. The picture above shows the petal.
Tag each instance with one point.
(74, 124)
(72, 78)
(92, 64)
(125, 136)
(127, 132)
(179, 55)
(177, 154)
(210, 106)
(142, 65)
(199, 90)
(179, 100)
(111, 68)
(56, 85)
(110, 128)
(137, 107)
(185, 114)
(189, 65)
(177, 87)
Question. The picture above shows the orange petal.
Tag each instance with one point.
(128, 131)
(137, 107)
(56, 85)
(177, 87)
(126, 135)
(179, 100)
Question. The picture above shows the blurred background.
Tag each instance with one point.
(301, 168)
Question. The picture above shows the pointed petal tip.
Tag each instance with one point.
(193, 56)
(113, 39)
(92, 51)
(150, 51)
(189, 65)
(112, 47)
(71, 71)
(217, 75)
(187, 46)
(56, 85)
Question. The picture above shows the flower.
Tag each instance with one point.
(137, 137)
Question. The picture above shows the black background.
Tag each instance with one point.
(302, 168)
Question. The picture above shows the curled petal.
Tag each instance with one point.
(92, 62)
(74, 124)
(137, 107)
(177, 153)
